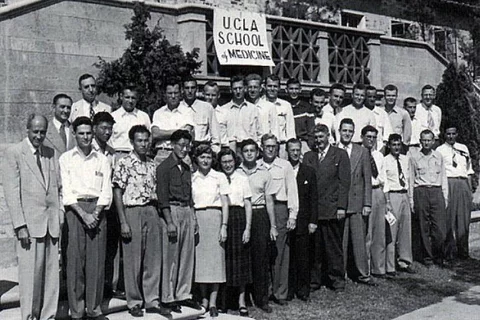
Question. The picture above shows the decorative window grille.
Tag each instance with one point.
(348, 56)
(295, 52)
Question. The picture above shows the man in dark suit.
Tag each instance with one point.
(31, 183)
(299, 272)
(359, 206)
(332, 167)
(59, 133)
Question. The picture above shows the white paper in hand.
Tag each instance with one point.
(390, 218)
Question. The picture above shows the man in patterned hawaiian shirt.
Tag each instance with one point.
(134, 181)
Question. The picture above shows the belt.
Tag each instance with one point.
(87, 199)
(150, 203)
(398, 191)
(122, 151)
(458, 178)
(429, 187)
(209, 207)
(376, 187)
(258, 206)
(180, 203)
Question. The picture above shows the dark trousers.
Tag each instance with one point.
(299, 271)
(85, 263)
(458, 218)
(260, 240)
(113, 259)
(328, 266)
(429, 213)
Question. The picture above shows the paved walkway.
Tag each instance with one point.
(465, 305)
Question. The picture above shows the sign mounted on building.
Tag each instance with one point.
(241, 38)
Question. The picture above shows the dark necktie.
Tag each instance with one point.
(39, 163)
(454, 161)
(401, 176)
(92, 112)
(63, 135)
(321, 155)
(374, 166)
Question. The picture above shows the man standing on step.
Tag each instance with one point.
(31, 184)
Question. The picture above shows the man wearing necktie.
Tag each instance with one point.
(459, 171)
(376, 237)
(429, 115)
(398, 194)
(88, 106)
(359, 206)
(430, 198)
(59, 134)
(31, 183)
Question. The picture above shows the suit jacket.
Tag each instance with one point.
(308, 198)
(360, 193)
(54, 141)
(32, 200)
(333, 180)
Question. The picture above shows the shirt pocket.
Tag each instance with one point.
(98, 180)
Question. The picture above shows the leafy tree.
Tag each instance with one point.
(423, 12)
(460, 105)
(147, 63)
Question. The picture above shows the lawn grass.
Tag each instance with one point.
(392, 298)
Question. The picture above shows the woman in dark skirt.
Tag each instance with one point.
(237, 251)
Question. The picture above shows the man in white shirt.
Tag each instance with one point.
(241, 116)
(399, 118)
(382, 121)
(356, 111)
(267, 112)
(285, 123)
(335, 100)
(410, 105)
(88, 106)
(203, 114)
(87, 190)
(458, 165)
(429, 115)
(59, 133)
(317, 101)
(169, 119)
(125, 118)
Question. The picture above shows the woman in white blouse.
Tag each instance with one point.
(237, 255)
(210, 191)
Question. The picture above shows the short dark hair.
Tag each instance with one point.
(180, 134)
(81, 121)
(32, 116)
(370, 88)
(201, 149)
(272, 77)
(337, 86)
(237, 78)
(394, 137)
(292, 81)
(409, 100)
(103, 117)
(346, 121)
(359, 86)
(189, 79)
(248, 142)
(428, 87)
(61, 96)
(317, 92)
(130, 87)
(390, 87)
(173, 81)
(227, 152)
(427, 131)
(293, 140)
(139, 128)
(210, 83)
(83, 77)
(369, 128)
(320, 127)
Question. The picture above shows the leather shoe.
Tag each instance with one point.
(159, 310)
(136, 311)
(280, 302)
(266, 308)
(191, 304)
(408, 269)
(368, 283)
(243, 311)
(100, 317)
(303, 298)
(314, 287)
(390, 275)
(213, 312)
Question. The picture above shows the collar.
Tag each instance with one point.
(58, 124)
(394, 109)
(191, 106)
(32, 148)
(427, 108)
(326, 149)
(96, 147)
(93, 153)
(172, 161)
(233, 104)
(94, 102)
(248, 171)
(124, 112)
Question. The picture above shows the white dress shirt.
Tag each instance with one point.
(206, 190)
(239, 189)
(267, 116)
(85, 177)
(166, 119)
(379, 159)
(458, 152)
(361, 117)
(124, 121)
(384, 126)
(81, 108)
(422, 114)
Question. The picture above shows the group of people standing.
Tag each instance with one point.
(261, 195)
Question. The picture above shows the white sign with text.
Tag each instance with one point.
(240, 38)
